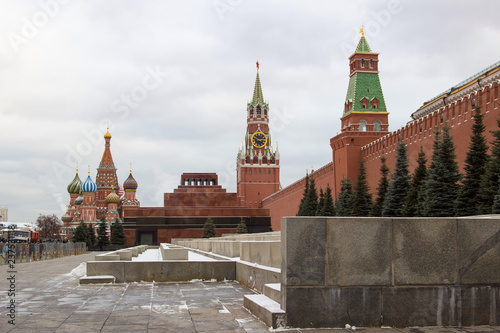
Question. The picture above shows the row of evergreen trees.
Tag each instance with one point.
(437, 190)
(86, 234)
(209, 229)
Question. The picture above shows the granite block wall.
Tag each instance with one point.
(390, 271)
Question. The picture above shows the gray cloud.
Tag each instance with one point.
(62, 86)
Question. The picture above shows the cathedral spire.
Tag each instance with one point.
(107, 159)
(258, 97)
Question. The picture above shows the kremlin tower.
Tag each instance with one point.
(364, 118)
(258, 166)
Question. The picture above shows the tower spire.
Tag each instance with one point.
(258, 97)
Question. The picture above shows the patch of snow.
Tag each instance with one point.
(224, 310)
(192, 256)
(148, 255)
(244, 320)
(78, 271)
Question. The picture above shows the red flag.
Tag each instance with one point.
(257, 64)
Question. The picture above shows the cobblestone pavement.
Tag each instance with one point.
(49, 299)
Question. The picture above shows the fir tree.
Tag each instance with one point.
(362, 200)
(91, 233)
(312, 198)
(469, 198)
(209, 228)
(346, 198)
(383, 185)
(411, 206)
(303, 201)
(490, 181)
(117, 234)
(321, 203)
(328, 206)
(101, 232)
(81, 234)
(242, 227)
(399, 186)
(442, 180)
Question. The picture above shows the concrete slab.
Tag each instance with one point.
(98, 279)
(266, 309)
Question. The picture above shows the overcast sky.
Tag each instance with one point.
(172, 79)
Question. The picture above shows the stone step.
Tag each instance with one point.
(97, 279)
(273, 291)
(266, 310)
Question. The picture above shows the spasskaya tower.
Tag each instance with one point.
(258, 168)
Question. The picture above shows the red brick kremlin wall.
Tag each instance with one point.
(286, 202)
(457, 115)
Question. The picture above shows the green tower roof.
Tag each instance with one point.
(363, 46)
(364, 85)
(258, 97)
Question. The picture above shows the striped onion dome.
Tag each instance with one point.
(88, 185)
(74, 186)
(130, 183)
(112, 197)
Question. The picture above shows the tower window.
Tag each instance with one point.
(377, 126)
(363, 106)
(269, 172)
(362, 126)
(258, 109)
(251, 110)
(371, 63)
(362, 63)
(260, 171)
(265, 112)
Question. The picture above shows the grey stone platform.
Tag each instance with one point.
(98, 279)
(50, 299)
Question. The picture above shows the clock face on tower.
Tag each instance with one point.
(259, 140)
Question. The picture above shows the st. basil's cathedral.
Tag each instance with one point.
(104, 198)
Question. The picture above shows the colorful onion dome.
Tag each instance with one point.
(74, 186)
(66, 217)
(79, 199)
(113, 197)
(130, 183)
(88, 185)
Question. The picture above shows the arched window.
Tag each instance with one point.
(371, 63)
(265, 112)
(258, 109)
(251, 110)
(362, 63)
(377, 126)
(362, 126)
